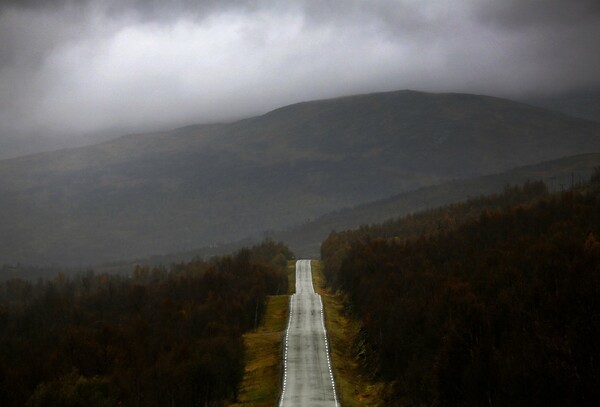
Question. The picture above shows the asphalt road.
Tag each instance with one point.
(307, 379)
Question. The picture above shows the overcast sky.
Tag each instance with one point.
(88, 67)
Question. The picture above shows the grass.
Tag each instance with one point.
(261, 385)
(291, 277)
(354, 387)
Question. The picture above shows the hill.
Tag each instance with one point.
(305, 239)
(559, 174)
(584, 104)
(166, 192)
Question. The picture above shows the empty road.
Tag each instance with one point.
(307, 379)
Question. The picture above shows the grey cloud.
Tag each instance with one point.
(557, 39)
(145, 9)
(28, 37)
(30, 29)
(396, 17)
(523, 14)
(65, 65)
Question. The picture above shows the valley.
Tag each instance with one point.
(241, 203)
(375, 195)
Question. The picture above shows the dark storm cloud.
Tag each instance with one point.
(75, 67)
(557, 40)
(520, 14)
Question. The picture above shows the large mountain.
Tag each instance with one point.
(165, 192)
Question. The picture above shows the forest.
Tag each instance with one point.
(493, 302)
(154, 338)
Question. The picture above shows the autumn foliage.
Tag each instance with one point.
(160, 337)
(499, 309)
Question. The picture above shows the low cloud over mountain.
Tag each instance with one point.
(89, 68)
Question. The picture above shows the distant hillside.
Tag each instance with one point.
(584, 104)
(305, 240)
(168, 192)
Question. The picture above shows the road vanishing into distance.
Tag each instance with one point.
(307, 378)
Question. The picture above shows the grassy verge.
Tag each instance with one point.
(262, 378)
(291, 277)
(354, 388)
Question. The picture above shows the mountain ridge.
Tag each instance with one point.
(174, 191)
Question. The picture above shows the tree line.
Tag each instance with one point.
(158, 337)
(497, 309)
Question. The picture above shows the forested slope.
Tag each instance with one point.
(158, 338)
(485, 303)
(427, 223)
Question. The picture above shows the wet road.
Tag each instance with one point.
(307, 381)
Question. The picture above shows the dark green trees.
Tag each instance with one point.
(158, 338)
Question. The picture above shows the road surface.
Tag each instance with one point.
(307, 378)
